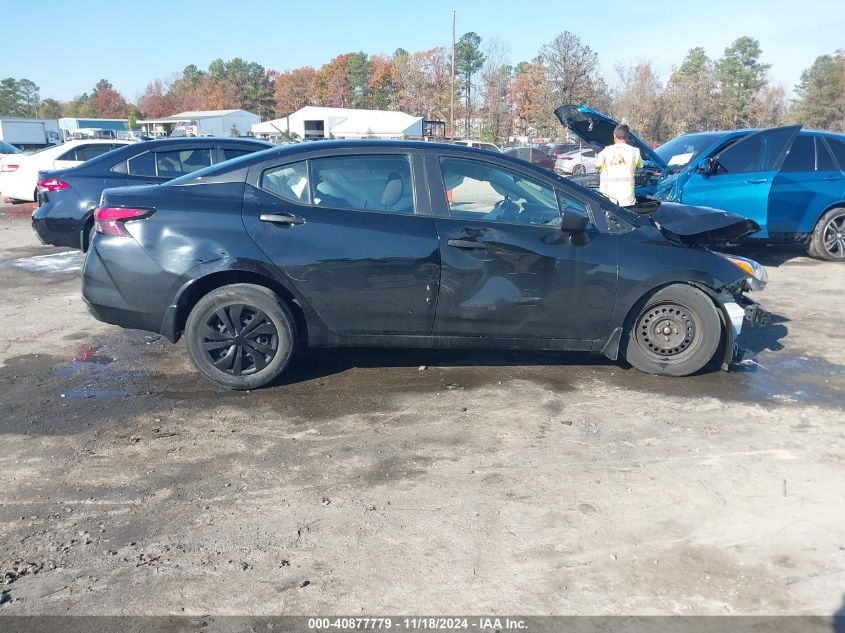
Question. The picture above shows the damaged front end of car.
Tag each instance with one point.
(712, 229)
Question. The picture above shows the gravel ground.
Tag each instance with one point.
(410, 482)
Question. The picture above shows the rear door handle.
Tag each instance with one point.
(287, 219)
(468, 244)
(757, 181)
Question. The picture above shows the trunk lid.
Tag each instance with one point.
(596, 129)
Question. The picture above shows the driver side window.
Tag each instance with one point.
(477, 190)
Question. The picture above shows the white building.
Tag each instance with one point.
(202, 123)
(312, 122)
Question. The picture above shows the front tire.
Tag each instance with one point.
(240, 336)
(828, 239)
(675, 333)
(579, 170)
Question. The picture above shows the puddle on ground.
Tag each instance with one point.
(95, 393)
(53, 264)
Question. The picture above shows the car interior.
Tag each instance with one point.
(377, 183)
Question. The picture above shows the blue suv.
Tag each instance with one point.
(788, 180)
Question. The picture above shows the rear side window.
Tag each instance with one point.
(87, 152)
(801, 156)
(69, 155)
(230, 153)
(838, 149)
(287, 181)
(824, 159)
(178, 162)
(367, 182)
(142, 165)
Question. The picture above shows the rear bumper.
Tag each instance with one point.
(122, 286)
(52, 228)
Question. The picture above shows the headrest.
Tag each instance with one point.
(392, 190)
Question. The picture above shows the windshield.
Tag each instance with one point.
(678, 152)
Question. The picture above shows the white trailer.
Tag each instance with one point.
(30, 134)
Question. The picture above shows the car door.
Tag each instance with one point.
(808, 183)
(352, 235)
(742, 175)
(507, 268)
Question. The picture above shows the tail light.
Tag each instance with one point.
(110, 220)
(53, 184)
(9, 167)
(566, 157)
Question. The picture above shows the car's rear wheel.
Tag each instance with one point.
(579, 170)
(828, 239)
(675, 333)
(240, 336)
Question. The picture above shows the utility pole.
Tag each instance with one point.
(452, 115)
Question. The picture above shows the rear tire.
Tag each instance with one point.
(675, 333)
(828, 239)
(240, 336)
(579, 170)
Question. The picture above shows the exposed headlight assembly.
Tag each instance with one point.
(756, 278)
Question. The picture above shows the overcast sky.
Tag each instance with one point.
(66, 46)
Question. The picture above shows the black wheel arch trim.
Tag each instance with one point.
(202, 279)
(626, 311)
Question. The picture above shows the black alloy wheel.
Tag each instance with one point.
(828, 238)
(833, 235)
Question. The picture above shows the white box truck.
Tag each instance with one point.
(30, 134)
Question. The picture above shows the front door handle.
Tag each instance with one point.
(757, 181)
(468, 244)
(287, 219)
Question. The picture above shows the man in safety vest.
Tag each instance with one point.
(617, 165)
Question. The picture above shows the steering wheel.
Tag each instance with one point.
(504, 209)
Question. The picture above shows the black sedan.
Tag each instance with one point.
(403, 244)
(67, 197)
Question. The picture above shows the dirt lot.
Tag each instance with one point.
(483, 483)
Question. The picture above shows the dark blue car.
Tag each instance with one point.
(67, 197)
(789, 181)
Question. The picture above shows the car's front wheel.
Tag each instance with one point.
(241, 336)
(676, 333)
(579, 170)
(828, 239)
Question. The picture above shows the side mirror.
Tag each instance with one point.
(707, 167)
(573, 221)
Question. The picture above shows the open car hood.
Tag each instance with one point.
(696, 225)
(596, 129)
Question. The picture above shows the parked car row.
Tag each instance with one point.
(248, 250)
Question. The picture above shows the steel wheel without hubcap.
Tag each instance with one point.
(675, 333)
(833, 236)
(239, 339)
(666, 331)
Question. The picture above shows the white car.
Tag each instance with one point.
(579, 161)
(490, 147)
(19, 173)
